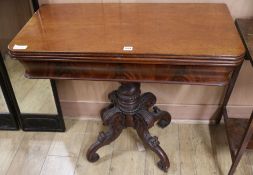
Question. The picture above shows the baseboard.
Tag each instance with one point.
(89, 118)
(179, 113)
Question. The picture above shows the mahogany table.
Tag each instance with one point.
(131, 44)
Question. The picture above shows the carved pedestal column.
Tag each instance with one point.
(129, 108)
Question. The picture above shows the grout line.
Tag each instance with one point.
(213, 150)
(86, 127)
(80, 152)
(47, 154)
(109, 171)
(179, 149)
(60, 156)
(145, 164)
(16, 152)
(194, 156)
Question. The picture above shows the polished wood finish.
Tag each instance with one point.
(205, 30)
(171, 43)
(208, 42)
(190, 74)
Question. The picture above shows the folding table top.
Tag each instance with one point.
(170, 32)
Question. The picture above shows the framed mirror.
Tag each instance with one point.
(36, 101)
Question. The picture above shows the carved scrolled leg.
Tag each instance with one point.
(152, 142)
(148, 117)
(105, 138)
(129, 108)
(148, 100)
(163, 117)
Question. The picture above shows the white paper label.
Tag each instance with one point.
(128, 48)
(20, 47)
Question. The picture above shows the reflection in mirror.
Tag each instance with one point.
(3, 105)
(34, 98)
(8, 113)
(33, 95)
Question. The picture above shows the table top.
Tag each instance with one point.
(160, 43)
(182, 32)
(245, 27)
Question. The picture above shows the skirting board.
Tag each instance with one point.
(179, 113)
(87, 118)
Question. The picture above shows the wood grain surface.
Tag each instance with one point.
(171, 43)
(155, 29)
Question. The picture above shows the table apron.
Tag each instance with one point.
(186, 74)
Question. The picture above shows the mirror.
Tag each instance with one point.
(37, 103)
(33, 95)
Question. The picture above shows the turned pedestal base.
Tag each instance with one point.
(129, 108)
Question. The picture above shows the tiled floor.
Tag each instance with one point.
(192, 149)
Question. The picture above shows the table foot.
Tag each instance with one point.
(129, 108)
(152, 142)
(163, 116)
(105, 138)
